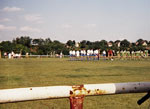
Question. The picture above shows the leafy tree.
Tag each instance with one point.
(96, 45)
(48, 41)
(24, 40)
(58, 47)
(7, 46)
(139, 41)
(103, 44)
(38, 41)
(19, 48)
(44, 49)
(125, 44)
(89, 45)
(70, 43)
(83, 44)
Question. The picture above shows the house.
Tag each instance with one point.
(118, 44)
(109, 44)
(137, 43)
(144, 43)
(77, 44)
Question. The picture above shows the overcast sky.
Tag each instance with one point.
(75, 19)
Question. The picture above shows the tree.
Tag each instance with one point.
(96, 45)
(139, 42)
(83, 44)
(19, 48)
(24, 40)
(125, 44)
(7, 46)
(70, 43)
(89, 45)
(48, 41)
(103, 44)
(38, 41)
(58, 47)
(44, 49)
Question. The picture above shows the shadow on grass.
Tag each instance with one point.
(4, 79)
(82, 69)
(147, 68)
(87, 76)
(76, 76)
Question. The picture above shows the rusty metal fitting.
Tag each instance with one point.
(76, 102)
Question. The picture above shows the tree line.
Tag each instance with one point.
(39, 46)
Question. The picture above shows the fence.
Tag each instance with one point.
(44, 56)
(74, 93)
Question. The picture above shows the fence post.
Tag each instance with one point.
(76, 102)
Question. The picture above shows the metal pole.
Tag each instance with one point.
(37, 93)
(76, 102)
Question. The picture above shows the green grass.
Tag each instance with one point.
(51, 72)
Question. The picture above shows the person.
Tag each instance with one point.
(118, 54)
(88, 54)
(146, 53)
(96, 54)
(71, 55)
(137, 54)
(19, 55)
(84, 54)
(77, 54)
(133, 54)
(61, 54)
(128, 54)
(142, 54)
(12, 54)
(91, 54)
(104, 54)
(74, 54)
(9, 56)
(27, 55)
(121, 53)
(5, 54)
(16, 55)
(110, 54)
(124, 54)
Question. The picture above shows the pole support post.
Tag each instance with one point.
(76, 102)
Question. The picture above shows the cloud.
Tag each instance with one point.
(90, 25)
(66, 26)
(29, 29)
(34, 18)
(11, 9)
(5, 20)
(9, 28)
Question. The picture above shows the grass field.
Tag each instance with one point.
(18, 73)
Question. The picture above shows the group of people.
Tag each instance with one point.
(12, 55)
(91, 54)
(132, 54)
(84, 54)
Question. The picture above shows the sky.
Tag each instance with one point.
(64, 20)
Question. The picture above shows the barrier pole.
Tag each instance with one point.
(75, 93)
